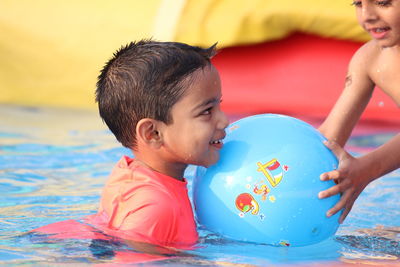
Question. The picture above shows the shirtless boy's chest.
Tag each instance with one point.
(385, 72)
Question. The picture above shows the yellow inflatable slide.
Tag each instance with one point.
(51, 51)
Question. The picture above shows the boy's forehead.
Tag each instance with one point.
(202, 77)
(200, 73)
(203, 86)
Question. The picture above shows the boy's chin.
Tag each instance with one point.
(386, 44)
(209, 164)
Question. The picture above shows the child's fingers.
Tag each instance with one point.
(345, 203)
(342, 203)
(344, 215)
(332, 175)
(336, 208)
(335, 148)
(334, 190)
(349, 198)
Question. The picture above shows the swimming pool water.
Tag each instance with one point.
(54, 162)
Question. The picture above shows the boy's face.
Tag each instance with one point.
(381, 19)
(198, 124)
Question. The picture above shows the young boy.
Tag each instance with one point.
(377, 63)
(162, 101)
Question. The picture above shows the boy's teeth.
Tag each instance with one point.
(380, 29)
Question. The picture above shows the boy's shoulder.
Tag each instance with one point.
(366, 57)
(369, 50)
(129, 179)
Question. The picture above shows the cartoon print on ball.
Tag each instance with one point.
(262, 190)
(246, 202)
(273, 171)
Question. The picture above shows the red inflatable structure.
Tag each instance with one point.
(302, 75)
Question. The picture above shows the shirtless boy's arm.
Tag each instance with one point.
(348, 109)
(354, 174)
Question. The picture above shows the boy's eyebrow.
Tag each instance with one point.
(208, 102)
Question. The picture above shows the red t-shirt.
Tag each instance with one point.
(142, 205)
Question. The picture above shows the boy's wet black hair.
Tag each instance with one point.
(145, 79)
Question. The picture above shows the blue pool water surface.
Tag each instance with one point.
(54, 162)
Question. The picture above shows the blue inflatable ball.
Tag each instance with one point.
(265, 186)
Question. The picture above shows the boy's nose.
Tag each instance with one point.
(368, 13)
(223, 121)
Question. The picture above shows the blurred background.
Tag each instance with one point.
(280, 56)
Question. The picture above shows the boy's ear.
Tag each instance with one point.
(147, 132)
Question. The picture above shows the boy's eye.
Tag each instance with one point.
(207, 111)
(383, 3)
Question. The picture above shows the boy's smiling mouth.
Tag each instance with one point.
(380, 29)
(378, 32)
(217, 143)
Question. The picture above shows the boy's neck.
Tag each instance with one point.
(175, 171)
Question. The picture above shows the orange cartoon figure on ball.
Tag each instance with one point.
(245, 203)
